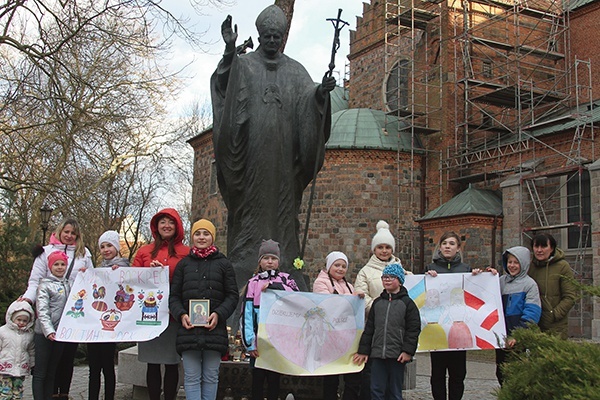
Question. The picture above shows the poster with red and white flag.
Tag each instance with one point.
(458, 311)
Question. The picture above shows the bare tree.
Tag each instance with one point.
(83, 126)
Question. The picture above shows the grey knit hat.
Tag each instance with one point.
(268, 248)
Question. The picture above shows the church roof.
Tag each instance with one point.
(471, 201)
(339, 99)
(364, 128)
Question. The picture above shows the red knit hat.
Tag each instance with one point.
(55, 256)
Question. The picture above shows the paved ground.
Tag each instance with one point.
(480, 384)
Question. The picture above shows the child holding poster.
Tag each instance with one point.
(520, 298)
(332, 280)
(368, 280)
(205, 274)
(101, 356)
(267, 276)
(390, 337)
(52, 293)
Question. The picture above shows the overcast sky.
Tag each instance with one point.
(309, 42)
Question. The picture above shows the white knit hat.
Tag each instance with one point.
(111, 237)
(383, 236)
(333, 257)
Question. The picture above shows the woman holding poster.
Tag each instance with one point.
(67, 238)
(166, 251)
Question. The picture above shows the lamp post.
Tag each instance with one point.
(45, 213)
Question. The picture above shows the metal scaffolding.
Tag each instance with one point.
(413, 86)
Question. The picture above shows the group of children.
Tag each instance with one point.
(389, 340)
(28, 339)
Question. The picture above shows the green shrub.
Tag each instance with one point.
(546, 367)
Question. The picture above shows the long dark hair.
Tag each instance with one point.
(159, 242)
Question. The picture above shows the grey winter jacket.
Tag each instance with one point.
(118, 261)
(393, 326)
(52, 293)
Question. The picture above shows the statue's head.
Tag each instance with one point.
(271, 25)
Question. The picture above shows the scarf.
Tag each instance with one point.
(203, 253)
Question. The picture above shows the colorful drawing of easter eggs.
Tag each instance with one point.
(78, 304)
(110, 319)
(99, 305)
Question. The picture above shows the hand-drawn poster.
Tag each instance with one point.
(458, 311)
(309, 334)
(121, 305)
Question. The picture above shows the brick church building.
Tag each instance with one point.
(475, 116)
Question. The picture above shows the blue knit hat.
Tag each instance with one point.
(395, 270)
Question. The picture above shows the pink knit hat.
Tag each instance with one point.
(55, 256)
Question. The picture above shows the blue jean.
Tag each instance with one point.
(386, 375)
(201, 374)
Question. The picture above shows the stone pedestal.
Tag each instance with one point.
(237, 376)
(133, 372)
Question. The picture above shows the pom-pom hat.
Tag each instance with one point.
(269, 248)
(395, 270)
(383, 236)
(333, 257)
(55, 256)
(111, 237)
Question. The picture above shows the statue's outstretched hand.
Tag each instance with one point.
(229, 35)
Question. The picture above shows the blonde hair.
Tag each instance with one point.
(79, 245)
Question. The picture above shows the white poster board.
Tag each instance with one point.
(122, 305)
(309, 334)
(458, 311)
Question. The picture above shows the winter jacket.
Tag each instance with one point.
(520, 295)
(211, 278)
(276, 280)
(143, 257)
(442, 266)
(16, 345)
(40, 265)
(118, 261)
(326, 284)
(368, 279)
(393, 326)
(51, 299)
(556, 292)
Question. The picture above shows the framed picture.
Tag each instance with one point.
(199, 311)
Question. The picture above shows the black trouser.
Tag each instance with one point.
(154, 381)
(455, 362)
(259, 376)
(351, 386)
(101, 359)
(62, 382)
(47, 358)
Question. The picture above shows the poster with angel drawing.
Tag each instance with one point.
(308, 334)
(458, 311)
(121, 305)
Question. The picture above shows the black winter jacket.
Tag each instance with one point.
(441, 265)
(393, 326)
(210, 278)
